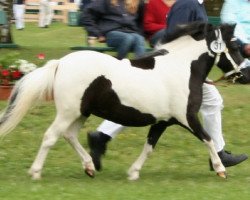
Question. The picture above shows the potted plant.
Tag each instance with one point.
(11, 71)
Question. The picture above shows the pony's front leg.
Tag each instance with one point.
(154, 134)
(199, 132)
(216, 161)
(71, 137)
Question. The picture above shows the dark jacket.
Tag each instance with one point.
(83, 4)
(19, 2)
(100, 17)
(185, 11)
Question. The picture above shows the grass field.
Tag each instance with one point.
(177, 170)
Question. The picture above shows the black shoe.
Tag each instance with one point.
(228, 159)
(97, 143)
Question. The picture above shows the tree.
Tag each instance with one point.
(5, 29)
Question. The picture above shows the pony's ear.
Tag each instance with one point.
(209, 27)
(227, 31)
(198, 30)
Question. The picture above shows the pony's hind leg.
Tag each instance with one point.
(71, 137)
(51, 136)
(154, 134)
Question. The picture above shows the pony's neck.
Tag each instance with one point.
(185, 44)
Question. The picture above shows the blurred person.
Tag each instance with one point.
(45, 14)
(154, 22)
(182, 12)
(237, 12)
(83, 4)
(116, 22)
(19, 11)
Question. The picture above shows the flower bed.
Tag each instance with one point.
(10, 72)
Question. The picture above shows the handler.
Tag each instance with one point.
(237, 12)
(182, 12)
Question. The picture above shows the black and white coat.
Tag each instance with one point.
(155, 90)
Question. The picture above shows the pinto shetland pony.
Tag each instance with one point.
(159, 89)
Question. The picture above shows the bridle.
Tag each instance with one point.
(223, 49)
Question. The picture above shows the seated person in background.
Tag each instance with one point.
(154, 21)
(83, 4)
(237, 12)
(118, 23)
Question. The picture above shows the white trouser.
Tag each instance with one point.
(19, 10)
(45, 13)
(211, 107)
(110, 128)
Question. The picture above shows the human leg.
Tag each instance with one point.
(45, 13)
(19, 16)
(138, 44)
(121, 41)
(98, 140)
(211, 107)
(156, 37)
(49, 14)
(42, 10)
(110, 128)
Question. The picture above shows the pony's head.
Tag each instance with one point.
(224, 48)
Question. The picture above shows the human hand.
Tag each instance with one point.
(247, 50)
(101, 39)
(91, 40)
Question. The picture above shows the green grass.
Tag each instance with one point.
(54, 42)
(177, 170)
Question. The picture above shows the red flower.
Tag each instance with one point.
(41, 56)
(5, 72)
(16, 74)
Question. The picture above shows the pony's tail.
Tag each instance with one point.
(35, 86)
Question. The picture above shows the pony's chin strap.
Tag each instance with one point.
(236, 67)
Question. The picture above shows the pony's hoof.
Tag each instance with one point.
(133, 176)
(222, 174)
(90, 173)
(35, 175)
